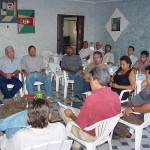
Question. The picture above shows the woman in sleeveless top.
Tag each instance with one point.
(124, 78)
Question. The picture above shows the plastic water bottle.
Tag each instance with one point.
(39, 95)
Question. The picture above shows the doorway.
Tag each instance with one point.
(70, 31)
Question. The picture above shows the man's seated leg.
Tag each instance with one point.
(17, 85)
(80, 86)
(13, 123)
(47, 82)
(30, 79)
(3, 87)
(82, 135)
(76, 131)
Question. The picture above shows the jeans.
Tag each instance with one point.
(37, 76)
(3, 86)
(80, 86)
(13, 123)
(72, 76)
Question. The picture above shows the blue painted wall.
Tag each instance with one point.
(96, 15)
(137, 33)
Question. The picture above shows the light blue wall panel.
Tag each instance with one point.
(45, 36)
(137, 32)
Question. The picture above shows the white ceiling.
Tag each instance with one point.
(94, 1)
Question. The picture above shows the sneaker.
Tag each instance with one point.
(49, 99)
(75, 99)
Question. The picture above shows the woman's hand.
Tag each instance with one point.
(114, 85)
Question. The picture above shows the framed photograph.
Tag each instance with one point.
(115, 24)
(26, 21)
(8, 11)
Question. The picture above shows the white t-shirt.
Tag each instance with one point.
(29, 136)
(133, 59)
(85, 52)
(108, 57)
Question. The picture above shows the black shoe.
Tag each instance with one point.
(76, 99)
(129, 135)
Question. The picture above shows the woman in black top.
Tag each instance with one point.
(124, 78)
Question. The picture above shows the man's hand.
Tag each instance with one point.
(26, 74)
(128, 111)
(68, 113)
(114, 85)
(8, 76)
(43, 72)
(87, 80)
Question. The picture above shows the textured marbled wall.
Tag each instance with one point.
(45, 36)
(137, 32)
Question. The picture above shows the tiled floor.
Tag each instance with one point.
(118, 144)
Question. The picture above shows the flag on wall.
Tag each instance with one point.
(8, 11)
(26, 22)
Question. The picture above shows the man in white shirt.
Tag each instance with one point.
(108, 57)
(40, 131)
(131, 55)
(99, 47)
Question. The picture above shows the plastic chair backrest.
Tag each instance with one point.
(147, 117)
(52, 67)
(105, 127)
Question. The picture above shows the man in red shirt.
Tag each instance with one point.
(101, 104)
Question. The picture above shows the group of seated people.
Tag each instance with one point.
(123, 79)
(103, 102)
(33, 70)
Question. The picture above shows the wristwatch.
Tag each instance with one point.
(132, 109)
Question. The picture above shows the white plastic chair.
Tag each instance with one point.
(138, 129)
(121, 95)
(103, 131)
(66, 82)
(36, 83)
(55, 145)
(47, 55)
(58, 74)
(10, 86)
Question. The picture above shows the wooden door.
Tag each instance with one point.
(80, 33)
(60, 20)
(79, 28)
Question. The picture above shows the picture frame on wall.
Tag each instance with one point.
(115, 24)
(8, 11)
(26, 21)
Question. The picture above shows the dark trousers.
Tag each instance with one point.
(3, 86)
(80, 86)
